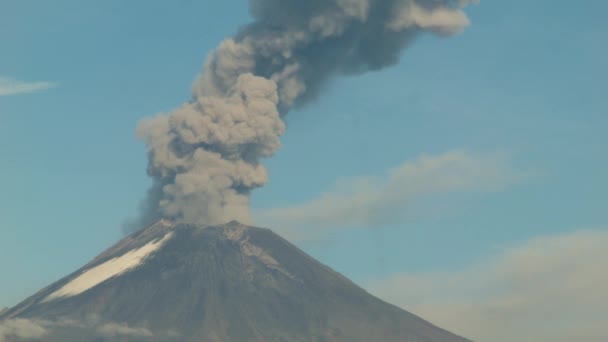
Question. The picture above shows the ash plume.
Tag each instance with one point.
(205, 156)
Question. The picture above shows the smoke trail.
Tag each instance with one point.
(205, 155)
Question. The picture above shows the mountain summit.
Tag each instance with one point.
(216, 283)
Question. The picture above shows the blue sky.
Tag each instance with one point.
(526, 82)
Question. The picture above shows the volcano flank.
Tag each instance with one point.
(215, 283)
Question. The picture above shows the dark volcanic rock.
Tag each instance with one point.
(225, 283)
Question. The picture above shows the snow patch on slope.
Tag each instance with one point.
(109, 269)
(252, 250)
(237, 234)
(234, 233)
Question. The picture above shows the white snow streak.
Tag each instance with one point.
(111, 268)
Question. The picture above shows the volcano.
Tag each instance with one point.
(180, 282)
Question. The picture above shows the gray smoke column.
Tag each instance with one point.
(205, 156)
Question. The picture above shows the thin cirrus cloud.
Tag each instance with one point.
(10, 86)
(549, 289)
(371, 200)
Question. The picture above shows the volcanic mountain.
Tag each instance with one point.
(216, 283)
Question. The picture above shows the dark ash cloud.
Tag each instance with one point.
(205, 156)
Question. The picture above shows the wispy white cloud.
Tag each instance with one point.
(36, 329)
(22, 330)
(372, 200)
(10, 86)
(551, 289)
(117, 329)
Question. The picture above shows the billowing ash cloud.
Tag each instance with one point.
(205, 156)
